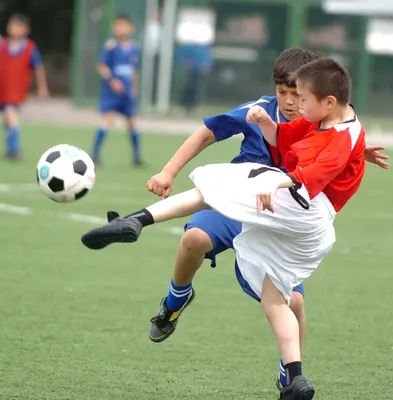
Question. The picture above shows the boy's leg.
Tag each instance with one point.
(12, 131)
(135, 140)
(297, 306)
(286, 330)
(207, 234)
(106, 121)
(129, 111)
(127, 229)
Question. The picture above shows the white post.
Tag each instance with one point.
(166, 56)
(148, 57)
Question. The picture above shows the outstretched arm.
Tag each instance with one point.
(161, 184)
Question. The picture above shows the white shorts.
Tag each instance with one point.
(288, 244)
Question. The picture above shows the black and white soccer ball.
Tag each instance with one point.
(65, 173)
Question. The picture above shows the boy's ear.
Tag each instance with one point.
(331, 101)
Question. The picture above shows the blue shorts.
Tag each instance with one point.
(123, 105)
(5, 105)
(222, 231)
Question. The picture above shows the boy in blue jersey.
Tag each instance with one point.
(210, 233)
(119, 70)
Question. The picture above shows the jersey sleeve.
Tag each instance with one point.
(35, 60)
(233, 122)
(329, 163)
(106, 51)
(291, 132)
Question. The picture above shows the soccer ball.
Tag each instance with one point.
(65, 173)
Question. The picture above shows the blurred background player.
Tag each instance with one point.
(19, 57)
(119, 70)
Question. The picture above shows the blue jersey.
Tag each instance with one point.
(124, 61)
(253, 147)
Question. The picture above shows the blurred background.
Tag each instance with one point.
(224, 49)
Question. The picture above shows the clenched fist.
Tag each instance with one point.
(161, 184)
(257, 115)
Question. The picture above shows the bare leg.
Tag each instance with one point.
(178, 206)
(128, 229)
(283, 322)
(297, 306)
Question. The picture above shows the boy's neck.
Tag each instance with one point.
(341, 113)
(123, 40)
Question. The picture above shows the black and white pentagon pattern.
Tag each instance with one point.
(53, 156)
(81, 194)
(56, 185)
(79, 167)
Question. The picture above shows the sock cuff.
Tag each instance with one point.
(149, 216)
(180, 289)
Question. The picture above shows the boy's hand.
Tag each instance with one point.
(116, 86)
(161, 184)
(257, 115)
(265, 198)
(372, 155)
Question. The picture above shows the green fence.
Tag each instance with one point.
(284, 23)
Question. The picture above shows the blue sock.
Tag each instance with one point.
(283, 376)
(177, 295)
(98, 141)
(135, 141)
(12, 137)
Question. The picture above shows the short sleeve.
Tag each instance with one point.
(36, 60)
(106, 52)
(233, 122)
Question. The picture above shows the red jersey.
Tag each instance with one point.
(324, 160)
(16, 71)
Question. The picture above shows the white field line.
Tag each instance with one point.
(75, 217)
(17, 210)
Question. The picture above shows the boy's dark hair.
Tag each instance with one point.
(288, 62)
(21, 18)
(326, 77)
(124, 17)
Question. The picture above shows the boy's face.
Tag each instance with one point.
(288, 101)
(310, 107)
(17, 29)
(122, 29)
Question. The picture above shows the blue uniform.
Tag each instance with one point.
(221, 229)
(124, 61)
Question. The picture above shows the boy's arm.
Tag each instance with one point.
(40, 74)
(161, 184)
(136, 78)
(278, 135)
(42, 84)
(105, 71)
(217, 128)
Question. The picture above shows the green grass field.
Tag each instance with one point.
(74, 322)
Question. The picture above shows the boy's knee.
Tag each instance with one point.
(297, 303)
(197, 241)
(11, 116)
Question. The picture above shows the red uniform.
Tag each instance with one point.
(324, 160)
(16, 71)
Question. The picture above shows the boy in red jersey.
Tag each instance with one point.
(286, 237)
(19, 57)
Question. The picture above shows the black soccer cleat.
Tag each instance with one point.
(299, 389)
(164, 323)
(117, 230)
